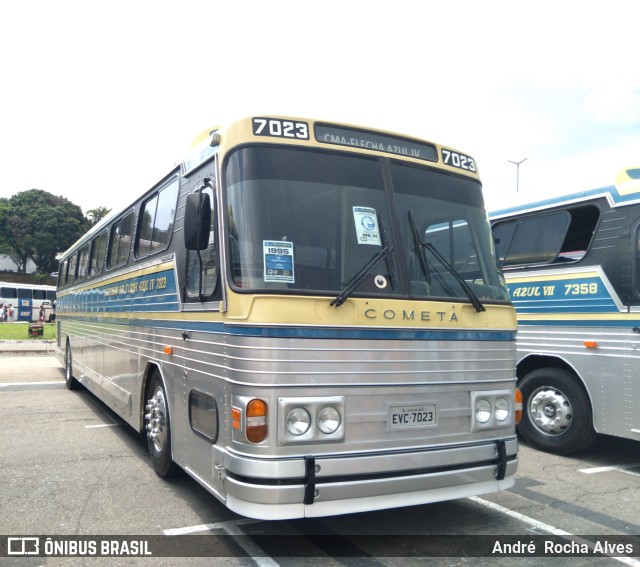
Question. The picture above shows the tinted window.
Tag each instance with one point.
(156, 221)
(120, 242)
(62, 273)
(98, 250)
(71, 276)
(9, 293)
(557, 237)
(314, 221)
(203, 415)
(83, 263)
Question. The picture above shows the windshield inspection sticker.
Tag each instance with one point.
(278, 261)
(366, 222)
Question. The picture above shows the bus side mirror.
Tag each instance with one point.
(197, 221)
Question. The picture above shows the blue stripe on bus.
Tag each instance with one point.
(579, 295)
(312, 332)
(564, 307)
(150, 292)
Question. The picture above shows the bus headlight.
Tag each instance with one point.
(501, 409)
(492, 409)
(328, 420)
(298, 421)
(311, 419)
(483, 411)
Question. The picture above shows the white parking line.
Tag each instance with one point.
(545, 527)
(101, 425)
(10, 384)
(619, 468)
(206, 527)
(231, 528)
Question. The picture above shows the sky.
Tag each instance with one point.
(98, 100)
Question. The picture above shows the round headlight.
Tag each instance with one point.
(502, 409)
(483, 411)
(328, 420)
(298, 421)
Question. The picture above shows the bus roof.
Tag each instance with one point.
(27, 285)
(625, 191)
(325, 134)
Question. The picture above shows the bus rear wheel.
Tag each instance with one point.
(158, 428)
(557, 414)
(69, 380)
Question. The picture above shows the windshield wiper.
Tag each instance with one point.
(417, 242)
(477, 304)
(356, 280)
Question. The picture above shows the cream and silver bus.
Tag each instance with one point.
(572, 266)
(306, 317)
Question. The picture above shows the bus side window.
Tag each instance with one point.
(62, 274)
(120, 241)
(636, 273)
(535, 240)
(209, 271)
(557, 237)
(71, 276)
(39, 294)
(156, 221)
(83, 263)
(98, 249)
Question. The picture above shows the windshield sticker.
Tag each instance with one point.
(278, 261)
(366, 222)
(380, 281)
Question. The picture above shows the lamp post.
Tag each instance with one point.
(517, 164)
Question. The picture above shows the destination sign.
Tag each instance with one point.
(330, 134)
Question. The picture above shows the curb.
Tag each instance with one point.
(34, 346)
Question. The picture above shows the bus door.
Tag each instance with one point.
(205, 394)
(25, 305)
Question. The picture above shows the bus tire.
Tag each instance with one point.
(557, 415)
(70, 382)
(158, 428)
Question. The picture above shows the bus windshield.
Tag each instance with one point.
(303, 221)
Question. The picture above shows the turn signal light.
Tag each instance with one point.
(591, 344)
(518, 405)
(236, 418)
(256, 430)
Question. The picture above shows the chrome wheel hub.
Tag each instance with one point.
(156, 420)
(550, 411)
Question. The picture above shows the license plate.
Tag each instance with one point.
(400, 417)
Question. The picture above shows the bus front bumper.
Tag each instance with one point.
(332, 485)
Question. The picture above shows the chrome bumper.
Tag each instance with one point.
(321, 486)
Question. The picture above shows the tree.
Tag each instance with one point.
(94, 216)
(38, 225)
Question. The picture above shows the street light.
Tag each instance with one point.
(517, 164)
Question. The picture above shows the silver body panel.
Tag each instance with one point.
(609, 372)
(372, 463)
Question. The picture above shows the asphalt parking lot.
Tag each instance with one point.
(70, 467)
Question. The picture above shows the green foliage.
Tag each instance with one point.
(20, 332)
(94, 216)
(38, 225)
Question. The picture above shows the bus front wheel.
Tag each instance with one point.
(556, 412)
(158, 428)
